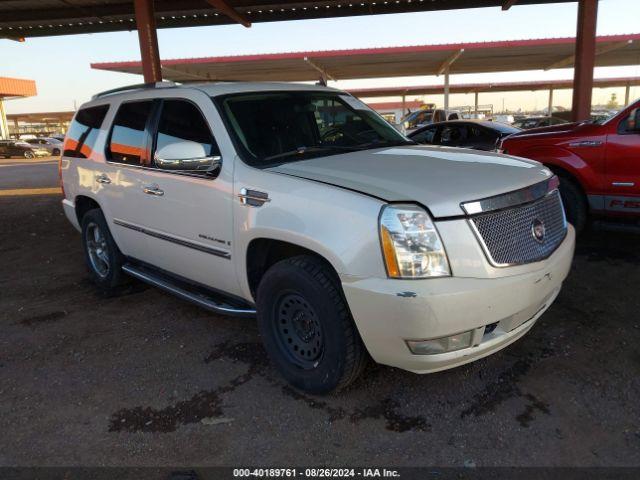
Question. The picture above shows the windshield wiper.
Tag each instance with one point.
(304, 150)
(385, 143)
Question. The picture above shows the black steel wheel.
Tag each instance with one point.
(306, 325)
(298, 330)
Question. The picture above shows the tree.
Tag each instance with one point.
(613, 102)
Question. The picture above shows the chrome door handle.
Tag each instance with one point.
(153, 189)
(102, 178)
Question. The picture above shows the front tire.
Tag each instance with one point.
(103, 257)
(575, 203)
(29, 154)
(306, 326)
(56, 152)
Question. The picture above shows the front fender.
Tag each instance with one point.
(564, 159)
(337, 224)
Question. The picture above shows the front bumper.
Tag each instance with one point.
(388, 312)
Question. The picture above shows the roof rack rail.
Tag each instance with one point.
(139, 86)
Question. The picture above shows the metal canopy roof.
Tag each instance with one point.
(474, 57)
(16, 87)
(490, 87)
(37, 18)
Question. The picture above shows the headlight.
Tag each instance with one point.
(410, 243)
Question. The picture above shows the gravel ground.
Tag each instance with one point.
(147, 379)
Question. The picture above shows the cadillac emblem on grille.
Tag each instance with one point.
(538, 230)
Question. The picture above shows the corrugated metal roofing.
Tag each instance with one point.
(473, 57)
(489, 87)
(35, 18)
(17, 87)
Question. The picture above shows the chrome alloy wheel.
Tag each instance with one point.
(97, 249)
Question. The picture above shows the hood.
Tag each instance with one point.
(439, 178)
(559, 128)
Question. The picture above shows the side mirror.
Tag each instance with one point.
(186, 156)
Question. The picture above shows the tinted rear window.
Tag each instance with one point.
(83, 132)
(128, 137)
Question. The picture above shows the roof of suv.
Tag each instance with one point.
(210, 88)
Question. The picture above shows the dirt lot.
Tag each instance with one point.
(146, 379)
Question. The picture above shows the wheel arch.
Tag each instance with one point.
(264, 252)
(83, 204)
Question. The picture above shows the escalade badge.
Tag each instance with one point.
(538, 230)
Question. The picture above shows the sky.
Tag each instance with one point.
(61, 65)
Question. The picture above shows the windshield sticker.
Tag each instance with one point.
(354, 102)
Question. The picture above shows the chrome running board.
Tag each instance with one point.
(205, 300)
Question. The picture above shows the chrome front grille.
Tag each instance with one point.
(508, 236)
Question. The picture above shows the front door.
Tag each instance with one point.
(623, 168)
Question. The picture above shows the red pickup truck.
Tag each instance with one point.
(598, 163)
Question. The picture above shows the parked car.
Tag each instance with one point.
(420, 118)
(597, 163)
(19, 148)
(301, 205)
(535, 122)
(58, 137)
(476, 134)
(52, 145)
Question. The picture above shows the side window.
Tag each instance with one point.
(452, 135)
(181, 123)
(425, 136)
(128, 138)
(83, 131)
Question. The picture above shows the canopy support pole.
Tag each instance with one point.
(550, 108)
(446, 88)
(476, 95)
(585, 59)
(4, 127)
(148, 38)
(627, 94)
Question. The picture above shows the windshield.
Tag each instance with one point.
(272, 128)
(419, 117)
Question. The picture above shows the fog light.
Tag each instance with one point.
(440, 345)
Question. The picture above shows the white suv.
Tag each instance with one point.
(301, 205)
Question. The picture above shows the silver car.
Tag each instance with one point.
(52, 145)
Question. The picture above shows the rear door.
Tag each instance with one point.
(623, 167)
(183, 221)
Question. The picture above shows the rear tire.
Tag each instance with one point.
(103, 257)
(306, 326)
(575, 203)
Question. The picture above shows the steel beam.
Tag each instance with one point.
(585, 59)
(225, 8)
(148, 38)
(324, 76)
(446, 89)
(449, 61)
